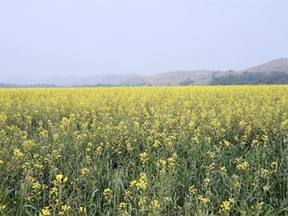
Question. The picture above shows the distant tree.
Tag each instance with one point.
(251, 78)
(186, 82)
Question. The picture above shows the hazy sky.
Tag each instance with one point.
(50, 38)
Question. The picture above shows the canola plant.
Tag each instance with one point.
(144, 151)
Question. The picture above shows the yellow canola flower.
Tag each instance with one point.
(122, 206)
(60, 179)
(211, 154)
(64, 210)
(255, 143)
(28, 144)
(266, 188)
(132, 126)
(142, 201)
(141, 184)
(274, 166)
(2, 207)
(225, 143)
(223, 170)
(54, 191)
(107, 193)
(155, 205)
(206, 181)
(243, 166)
(144, 158)
(128, 194)
(225, 207)
(17, 153)
(38, 166)
(264, 173)
(36, 185)
(192, 190)
(82, 209)
(133, 183)
(171, 161)
(84, 171)
(202, 199)
(156, 144)
(45, 212)
(99, 151)
(161, 163)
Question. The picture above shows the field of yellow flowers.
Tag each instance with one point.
(144, 151)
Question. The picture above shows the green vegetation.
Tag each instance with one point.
(144, 151)
(251, 78)
(187, 82)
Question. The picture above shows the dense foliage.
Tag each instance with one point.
(250, 78)
(144, 151)
(186, 82)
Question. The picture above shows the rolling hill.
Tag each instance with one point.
(204, 77)
(273, 72)
(276, 70)
(277, 65)
(173, 78)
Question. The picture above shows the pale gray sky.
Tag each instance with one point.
(51, 38)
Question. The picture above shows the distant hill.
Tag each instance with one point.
(276, 70)
(277, 65)
(173, 78)
(273, 72)
(5, 85)
(93, 80)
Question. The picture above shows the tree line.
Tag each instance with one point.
(251, 78)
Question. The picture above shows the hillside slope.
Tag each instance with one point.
(273, 72)
(172, 78)
(277, 65)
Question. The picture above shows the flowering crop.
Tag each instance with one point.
(144, 151)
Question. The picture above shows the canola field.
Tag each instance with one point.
(144, 151)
